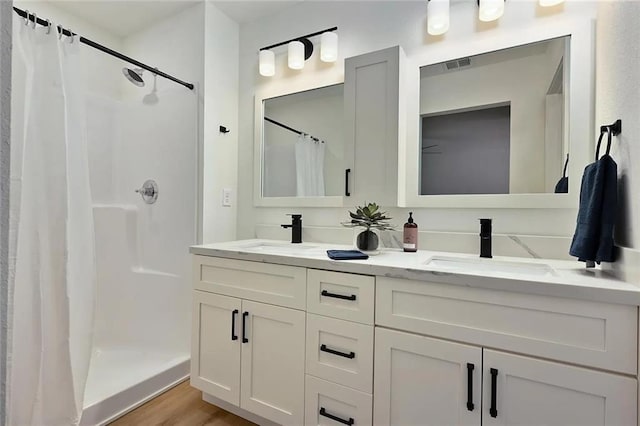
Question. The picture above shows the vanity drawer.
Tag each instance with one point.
(326, 402)
(262, 282)
(340, 295)
(581, 332)
(340, 351)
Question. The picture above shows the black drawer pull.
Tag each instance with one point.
(470, 368)
(346, 183)
(349, 422)
(234, 336)
(338, 296)
(350, 355)
(244, 327)
(494, 385)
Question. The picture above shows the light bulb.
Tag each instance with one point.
(490, 10)
(296, 55)
(437, 17)
(267, 63)
(329, 47)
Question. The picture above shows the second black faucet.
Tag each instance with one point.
(485, 238)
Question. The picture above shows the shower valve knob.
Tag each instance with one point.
(149, 191)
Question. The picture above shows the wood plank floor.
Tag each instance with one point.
(180, 406)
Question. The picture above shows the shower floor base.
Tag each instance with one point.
(122, 379)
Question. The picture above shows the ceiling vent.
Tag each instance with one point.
(459, 63)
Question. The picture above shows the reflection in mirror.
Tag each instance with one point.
(494, 123)
(303, 146)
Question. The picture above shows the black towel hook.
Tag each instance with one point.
(615, 128)
(611, 130)
(603, 130)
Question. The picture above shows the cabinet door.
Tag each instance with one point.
(273, 362)
(534, 392)
(423, 381)
(215, 352)
(371, 104)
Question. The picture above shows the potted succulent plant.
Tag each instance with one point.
(372, 220)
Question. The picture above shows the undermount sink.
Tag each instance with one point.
(276, 247)
(489, 265)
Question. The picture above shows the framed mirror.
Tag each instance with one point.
(300, 147)
(494, 128)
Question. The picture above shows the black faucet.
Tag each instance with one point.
(485, 238)
(296, 228)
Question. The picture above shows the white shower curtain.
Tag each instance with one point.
(309, 167)
(53, 271)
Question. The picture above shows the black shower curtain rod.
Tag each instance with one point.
(31, 17)
(291, 129)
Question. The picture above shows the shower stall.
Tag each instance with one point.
(140, 132)
(141, 340)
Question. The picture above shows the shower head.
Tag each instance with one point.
(134, 76)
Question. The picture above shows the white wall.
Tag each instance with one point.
(6, 15)
(618, 97)
(220, 151)
(368, 26)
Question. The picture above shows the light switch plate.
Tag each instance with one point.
(226, 197)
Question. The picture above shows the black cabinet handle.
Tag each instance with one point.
(244, 327)
(338, 296)
(349, 422)
(494, 389)
(350, 355)
(470, 368)
(346, 183)
(234, 336)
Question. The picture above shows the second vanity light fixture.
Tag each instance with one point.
(488, 10)
(299, 50)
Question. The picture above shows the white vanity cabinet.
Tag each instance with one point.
(426, 381)
(302, 345)
(429, 381)
(374, 107)
(244, 352)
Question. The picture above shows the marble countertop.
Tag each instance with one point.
(568, 278)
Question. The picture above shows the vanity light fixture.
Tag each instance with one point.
(297, 55)
(329, 47)
(299, 50)
(490, 10)
(267, 63)
(549, 3)
(437, 17)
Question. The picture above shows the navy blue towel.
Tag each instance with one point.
(593, 239)
(346, 254)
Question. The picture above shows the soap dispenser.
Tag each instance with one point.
(410, 235)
